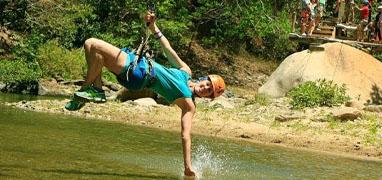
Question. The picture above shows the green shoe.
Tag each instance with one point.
(90, 94)
(74, 105)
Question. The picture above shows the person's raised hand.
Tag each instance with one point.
(149, 18)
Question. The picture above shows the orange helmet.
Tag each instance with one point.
(218, 85)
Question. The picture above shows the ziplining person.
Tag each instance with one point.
(134, 71)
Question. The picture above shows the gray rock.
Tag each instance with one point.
(284, 118)
(373, 108)
(228, 94)
(77, 82)
(2, 85)
(221, 102)
(346, 113)
(355, 104)
(145, 102)
(42, 90)
(338, 62)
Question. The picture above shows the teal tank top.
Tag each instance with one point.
(171, 83)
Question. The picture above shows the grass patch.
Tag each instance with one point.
(333, 123)
(298, 126)
(374, 131)
(261, 99)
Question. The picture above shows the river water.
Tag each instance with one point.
(55, 146)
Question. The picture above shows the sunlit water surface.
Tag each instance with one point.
(106, 150)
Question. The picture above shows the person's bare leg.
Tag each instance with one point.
(303, 27)
(98, 81)
(311, 27)
(98, 54)
(92, 60)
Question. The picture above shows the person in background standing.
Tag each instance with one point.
(370, 9)
(312, 19)
(320, 12)
(377, 25)
(349, 11)
(364, 15)
(340, 9)
(305, 16)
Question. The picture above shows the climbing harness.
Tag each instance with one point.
(141, 69)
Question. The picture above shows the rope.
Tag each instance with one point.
(143, 47)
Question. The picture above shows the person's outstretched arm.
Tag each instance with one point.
(188, 111)
(172, 55)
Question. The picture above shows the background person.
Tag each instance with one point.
(305, 16)
(340, 9)
(364, 15)
(377, 25)
(349, 11)
(312, 18)
(320, 13)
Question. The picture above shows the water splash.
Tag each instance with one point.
(207, 164)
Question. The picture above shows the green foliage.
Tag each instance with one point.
(239, 23)
(117, 40)
(107, 75)
(62, 20)
(18, 71)
(318, 93)
(26, 47)
(216, 24)
(57, 61)
(378, 56)
(13, 14)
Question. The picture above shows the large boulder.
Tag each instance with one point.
(358, 70)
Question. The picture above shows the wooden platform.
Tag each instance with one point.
(325, 32)
(320, 39)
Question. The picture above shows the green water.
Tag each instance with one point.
(48, 146)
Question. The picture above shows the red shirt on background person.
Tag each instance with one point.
(364, 10)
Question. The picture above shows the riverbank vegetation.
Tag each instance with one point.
(47, 34)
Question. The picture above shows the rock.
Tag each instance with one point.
(77, 82)
(355, 104)
(111, 86)
(284, 118)
(124, 94)
(245, 136)
(221, 102)
(42, 90)
(356, 147)
(343, 64)
(228, 94)
(346, 113)
(277, 141)
(2, 85)
(373, 108)
(145, 102)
